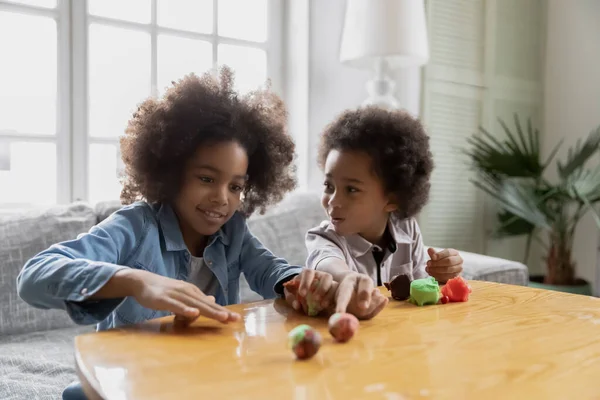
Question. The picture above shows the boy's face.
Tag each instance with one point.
(354, 195)
(213, 182)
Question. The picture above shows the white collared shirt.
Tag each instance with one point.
(410, 256)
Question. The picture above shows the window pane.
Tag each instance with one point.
(249, 64)
(128, 10)
(188, 15)
(243, 19)
(179, 56)
(119, 77)
(37, 3)
(27, 91)
(104, 173)
(31, 176)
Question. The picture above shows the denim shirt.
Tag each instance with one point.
(147, 237)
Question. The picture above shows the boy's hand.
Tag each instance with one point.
(357, 288)
(444, 265)
(181, 298)
(376, 305)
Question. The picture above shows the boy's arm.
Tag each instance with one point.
(82, 276)
(325, 255)
(419, 255)
(264, 272)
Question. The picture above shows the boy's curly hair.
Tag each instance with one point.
(164, 133)
(398, 145)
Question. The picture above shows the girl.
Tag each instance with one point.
(377, 166)
(198, 162)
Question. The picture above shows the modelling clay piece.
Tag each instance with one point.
(343, 326)
(457, 289)
(400, 287)
(313, 306)
(424, 291)
(444, 299)
(304, 341)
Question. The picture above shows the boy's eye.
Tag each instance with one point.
(237, 188)
(352, 189)
(328, 187)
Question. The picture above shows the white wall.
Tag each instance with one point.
(572, 97)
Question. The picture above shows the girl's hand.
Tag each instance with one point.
(310, 286)
(181, 298)
(445, 265)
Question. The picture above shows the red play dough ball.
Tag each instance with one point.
(445, 299)
(343, 326)
(457, 289)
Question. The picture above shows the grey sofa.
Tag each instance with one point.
(36, 346)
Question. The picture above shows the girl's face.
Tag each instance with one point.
(354, 196)
(213, 181)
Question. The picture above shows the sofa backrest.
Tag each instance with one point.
(22, 236)
(282, 229)
(25, 233)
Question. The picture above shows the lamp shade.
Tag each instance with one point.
(391, 29)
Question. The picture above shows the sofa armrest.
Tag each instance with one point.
(494, 269)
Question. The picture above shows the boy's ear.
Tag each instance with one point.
(392, 204)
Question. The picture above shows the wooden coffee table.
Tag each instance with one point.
(507, 342)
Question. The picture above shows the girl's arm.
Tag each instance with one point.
(70, 274)
(264, 271)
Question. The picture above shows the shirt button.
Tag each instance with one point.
(84, 291)
(209, 263)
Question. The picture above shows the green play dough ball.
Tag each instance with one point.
(298, 334)
(424, 291)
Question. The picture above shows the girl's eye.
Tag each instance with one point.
(236, 188)
(352, 189)
(328, 187)
(206, 179)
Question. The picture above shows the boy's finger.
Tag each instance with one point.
(364, 290)
(444, 253)
(446, 262)
(306, 280)
(323, 287)
(344, 294)
(435, 270)
(431, 252)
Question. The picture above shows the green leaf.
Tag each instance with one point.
(553, 153)
(512, 225)
(578, 154)
(519, 197)
(522, 137)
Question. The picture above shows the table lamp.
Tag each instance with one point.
(381, 35)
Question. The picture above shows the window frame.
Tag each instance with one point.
(72, 135)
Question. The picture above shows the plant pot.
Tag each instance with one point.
(581, 286)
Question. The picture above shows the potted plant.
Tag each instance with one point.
(512, 172)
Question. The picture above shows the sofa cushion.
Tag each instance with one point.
(38, 365)
(486, 268)
(283, 228)
(22, 236)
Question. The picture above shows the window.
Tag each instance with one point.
(68, 115)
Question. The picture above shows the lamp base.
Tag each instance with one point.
(381, 89)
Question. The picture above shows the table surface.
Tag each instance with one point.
(505, 342)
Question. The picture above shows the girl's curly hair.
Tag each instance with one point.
(164, 133)
(397, 145)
